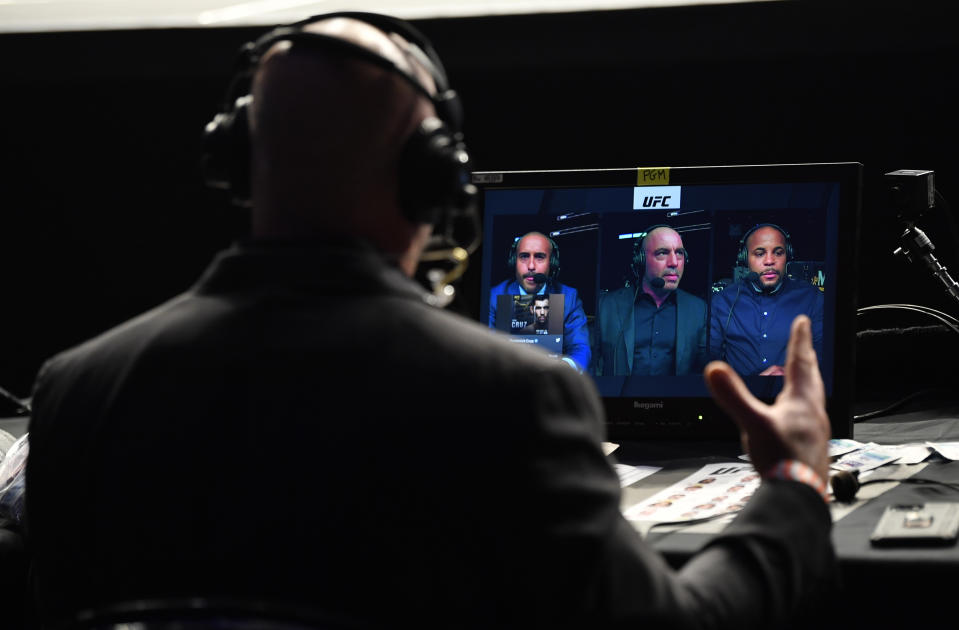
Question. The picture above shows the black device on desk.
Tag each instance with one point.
(598, 219)
(934, 523)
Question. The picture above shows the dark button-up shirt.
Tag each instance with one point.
(750, 330)
(655, 347)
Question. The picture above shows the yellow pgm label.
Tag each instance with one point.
(652, 176)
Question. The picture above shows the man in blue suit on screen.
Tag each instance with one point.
(534, 260)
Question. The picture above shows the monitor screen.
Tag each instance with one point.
(640, 276)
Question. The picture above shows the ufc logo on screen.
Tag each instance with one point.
(656, 197)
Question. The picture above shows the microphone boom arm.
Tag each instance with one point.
(917, 247)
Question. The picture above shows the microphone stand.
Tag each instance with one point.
(917, 247)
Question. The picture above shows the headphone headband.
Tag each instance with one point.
(445, 100)
(434, 171)
(742, 256)
(638, 266)
(553, 255)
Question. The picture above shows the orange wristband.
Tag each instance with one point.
(794, 470)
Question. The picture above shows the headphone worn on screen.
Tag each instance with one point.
(553, 256)
(742, 261)
(638, 265)
(434, 172)
(742, 257)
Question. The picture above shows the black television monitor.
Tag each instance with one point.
(756, 245)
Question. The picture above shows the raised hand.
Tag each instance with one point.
(796, 425)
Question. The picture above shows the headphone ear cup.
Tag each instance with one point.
(511, 257)
(742, 256)
(434, 174)
(638, 263)
(553, 260)
(226, 151)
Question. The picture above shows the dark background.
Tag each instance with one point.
(105, 215)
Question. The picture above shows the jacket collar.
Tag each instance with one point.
(340, 268)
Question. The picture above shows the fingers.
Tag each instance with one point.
(800, 335)
(802, 367)
(796, 425)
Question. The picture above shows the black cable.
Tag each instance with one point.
(899, 403)
(692, 521)
(22, 406)
(917, 480)
(622, 328)
(947, 320)
(944, 318)
(739, 288)
(631, 315)
(927, 309)
(845, 485)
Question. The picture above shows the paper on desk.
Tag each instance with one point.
(628, 475)
(949, 450)
(909, 453)
(837, 447)
(870, 456)
(712, 490)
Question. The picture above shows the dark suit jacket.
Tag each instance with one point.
(616, 334)
(303, 427)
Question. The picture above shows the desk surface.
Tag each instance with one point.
(872, 577)
(921, 579)
(14, 426)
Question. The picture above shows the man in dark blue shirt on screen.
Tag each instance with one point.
(750, 321)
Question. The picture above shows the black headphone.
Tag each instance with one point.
(434, 172)
(742, 258)
(638, 266)
(553, 256)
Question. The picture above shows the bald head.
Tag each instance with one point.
(665, 258)
(327, 130)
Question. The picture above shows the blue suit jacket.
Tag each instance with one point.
(615, 354)
(575, 332)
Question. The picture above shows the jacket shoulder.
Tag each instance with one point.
(690, 299)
